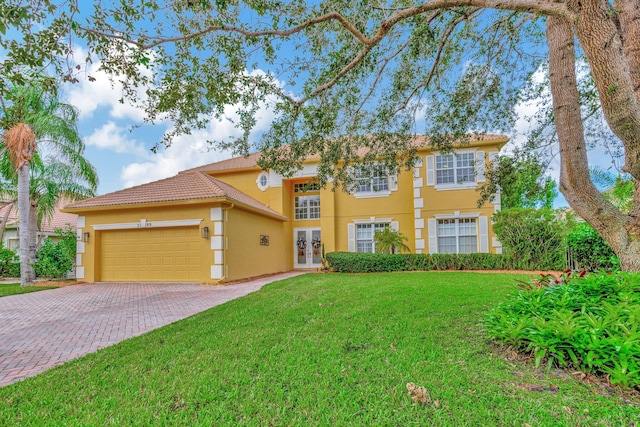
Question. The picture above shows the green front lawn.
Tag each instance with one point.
(320, 349)
(15, 289)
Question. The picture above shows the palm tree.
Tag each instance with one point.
(388, 240)
(33, 116)
(51, 183)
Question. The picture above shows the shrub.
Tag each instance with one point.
(534, 238)
(13, 269)
(53, 260)
(7, 257)
(587, 322)
(358, 262)
(589, 250)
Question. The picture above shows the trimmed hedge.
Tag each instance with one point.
(358, 262)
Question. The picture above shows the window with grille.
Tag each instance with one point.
(364, 236)
(455, 168)
(457, 236)
(371, 180)
(307, 207)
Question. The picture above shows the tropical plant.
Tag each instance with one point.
(33, 115)
(51, 183)
(586, 322)
(388, 241)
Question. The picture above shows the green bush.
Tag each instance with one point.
(7, 258)
(589, 250)
(357, 262)
(53, 260)
(588, 323)
(13, 269)
(534, 238)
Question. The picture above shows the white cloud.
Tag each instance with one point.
(88, 95)
(114, 138)
(188, 151)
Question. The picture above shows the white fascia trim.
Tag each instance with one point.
(372, 194)
(458, 215)
(372, 220)
(148, 224)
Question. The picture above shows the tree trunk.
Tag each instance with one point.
(616, 228)
(600, 33)
(34, 239)
(27, 273)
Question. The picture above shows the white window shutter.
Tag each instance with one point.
(394, 225)
(433, 237)
(431, 170)
(480, 166)
(352, 237)
(493, 156)
(393, 182)
(484, 234)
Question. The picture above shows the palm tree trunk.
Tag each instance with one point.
(27, 273)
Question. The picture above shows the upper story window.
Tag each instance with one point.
(263, 181)
(372, 180)
(455, 168)
(307, 207)
(305, 187)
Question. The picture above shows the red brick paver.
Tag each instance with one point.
(43, 329)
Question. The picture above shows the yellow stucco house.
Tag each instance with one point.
(232, 220)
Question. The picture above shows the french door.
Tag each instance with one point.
(307, 248)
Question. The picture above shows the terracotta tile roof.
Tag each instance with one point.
(181, 187)
(58, 220)
(251, 161)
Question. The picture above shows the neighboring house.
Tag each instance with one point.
(231, 220)
(9, 212)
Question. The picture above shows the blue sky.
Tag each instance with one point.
(121, 152)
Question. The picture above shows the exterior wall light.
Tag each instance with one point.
(85, 236)
(204, 232)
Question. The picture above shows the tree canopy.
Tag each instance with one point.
(340, 76)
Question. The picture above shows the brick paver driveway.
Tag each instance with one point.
(42, 329)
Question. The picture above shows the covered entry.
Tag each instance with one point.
(167, 254)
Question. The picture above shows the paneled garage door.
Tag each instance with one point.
(151, 255)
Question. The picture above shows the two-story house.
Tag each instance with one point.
(231, 220)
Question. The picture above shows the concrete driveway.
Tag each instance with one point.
(43, 329)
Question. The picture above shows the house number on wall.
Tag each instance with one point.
(264, 240)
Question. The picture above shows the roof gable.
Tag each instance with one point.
(187, 186)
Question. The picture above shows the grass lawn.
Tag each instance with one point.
(15, 289)
(319, 349)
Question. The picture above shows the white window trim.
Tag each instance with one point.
(372, 194)
(307, 208)
(457, 235)
(260, 186)
(392, 184)
(373, 232)
(372, 220)
(447, 187)
(457, 215)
